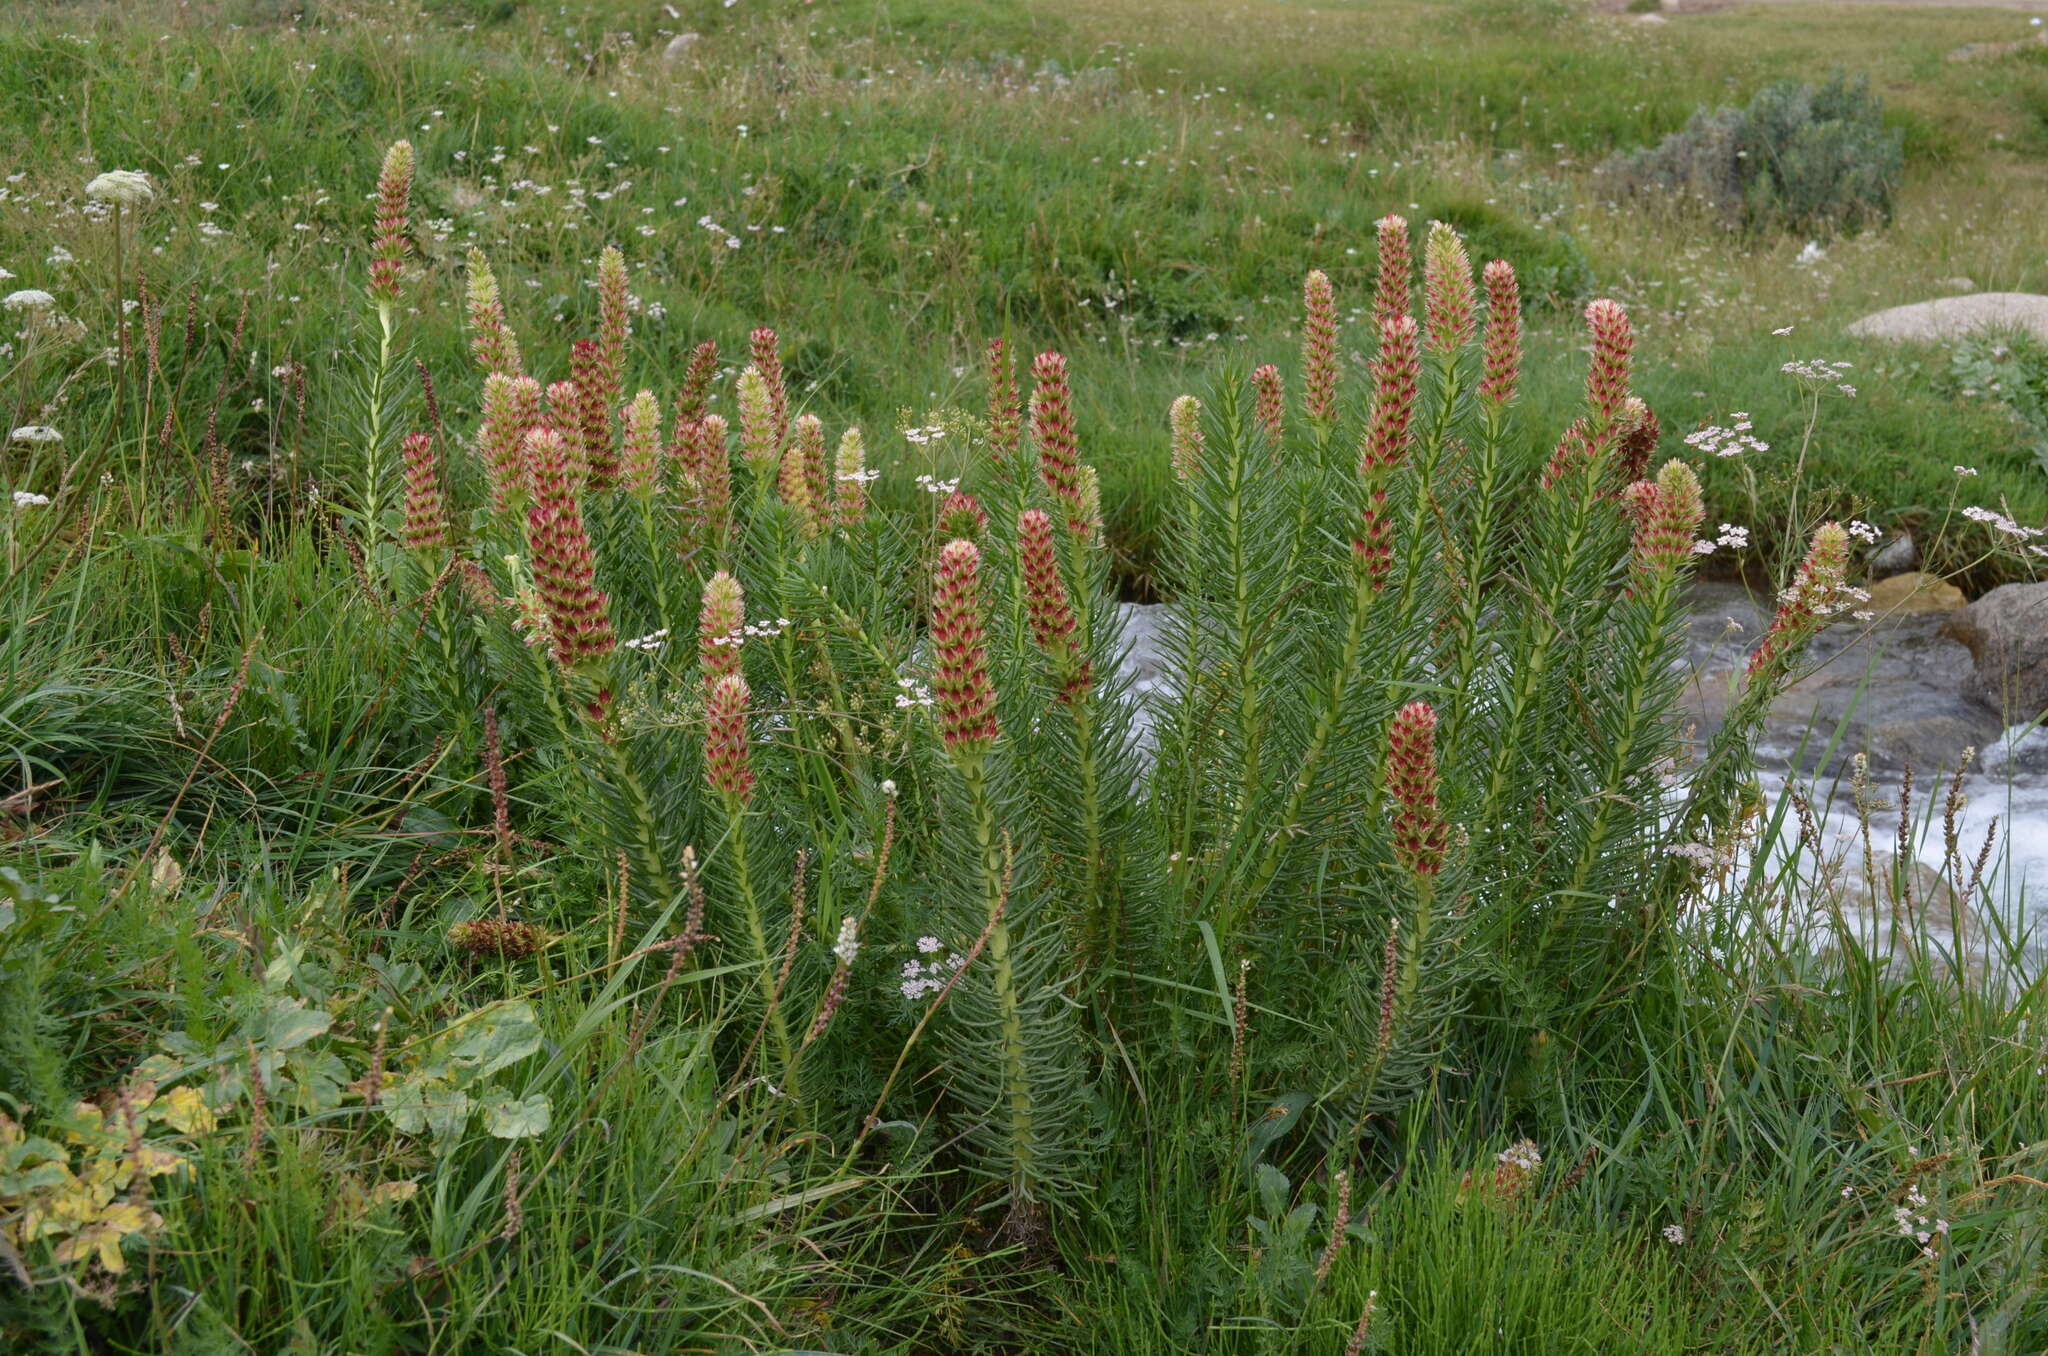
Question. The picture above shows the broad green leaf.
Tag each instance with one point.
(289, 1023)
(510, 1117)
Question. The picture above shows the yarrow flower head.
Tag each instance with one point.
(28, 299)
(26, 499)
(1319, 348)
(36, 433)
(125, 188)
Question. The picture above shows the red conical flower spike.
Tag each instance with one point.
(728, 765)
(793, 482)
(850, 481)
(966, 699)
(394, 206)
(1319, 348)
(721, 622)
(1395, 372)
(1501, 357)
(426, 515)
(711, 463)
(1638, 434)
(1420, 832)
(491, 339)
(1815, 595)
(1447, 296)
(1390, 299)
(564, 414)
(1607, 378)
(595, 394)
(697, 378)
(1052, 430)
(961, 515)
(564, 566)
(511, 411)
(767, 355)
(612, 323)
(1005, 412)
(640, 466)
(1045, 602)
(1185, 421)
(1269, 403)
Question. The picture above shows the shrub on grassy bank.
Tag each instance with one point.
(611, 877)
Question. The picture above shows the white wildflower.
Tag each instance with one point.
(28, 299)
(129, 188)
(36, 433)
(848, 945)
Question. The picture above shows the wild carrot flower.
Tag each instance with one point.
(1390, 298)
(1046, 604)
(490, 338)
(850, 481)
(1269, 402)
(960, 681)
(1005, 413)
(728, 764)
(1052, 431)
(596, 391)
(28, 299)
(564, 566)
(1814, 595)
(511, 409)
(961, 515)
(720, 626)
(130, 188)
(1395, 372)
(640, 467)
(696, 388)
(1420, 833)
(1608, 376)
(1319, 348)
(767, 355)
(394, 199)
(1667, 514)
(1447, 295)
(1184, 418)
(426, 515)
(1501, 351)
(759, 442)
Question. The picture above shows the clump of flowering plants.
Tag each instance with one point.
(1410, 781)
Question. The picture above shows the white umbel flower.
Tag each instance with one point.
(129, 188)
(28, 299)
(36, 433)
(23, 499)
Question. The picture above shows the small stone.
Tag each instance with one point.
(1896, 556)
(679, 46)
(2006, 632)
(1912, 594)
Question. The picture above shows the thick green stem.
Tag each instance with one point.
(1019, 1124)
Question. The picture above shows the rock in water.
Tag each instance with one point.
(1952, 317)
(1908, 594)
(2006, 632)
(1896, 556)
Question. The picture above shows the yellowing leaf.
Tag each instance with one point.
(185, 1111)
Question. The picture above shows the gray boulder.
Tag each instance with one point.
(1952, 317)
(2006, 632)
